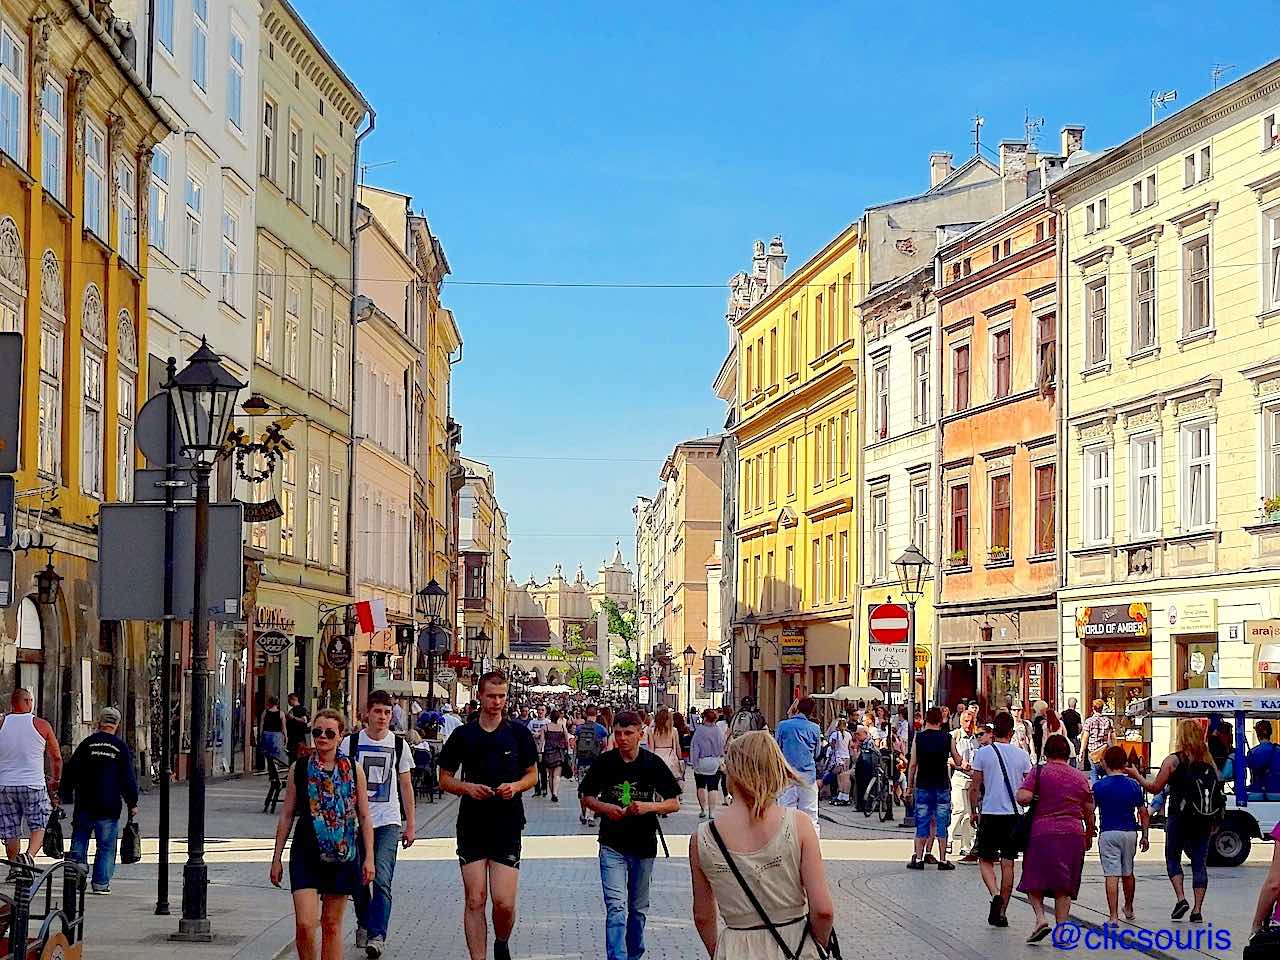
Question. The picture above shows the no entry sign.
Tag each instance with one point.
(889, 623)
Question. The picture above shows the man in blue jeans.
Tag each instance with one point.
(96, 779)
(388, 765)
(628, 787)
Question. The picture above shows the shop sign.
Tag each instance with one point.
(338, 651)
(1194, 616)
(1269, 658)
(272, 642)
(445, 677)
(1035, 681)
(1262, 631)
(1117, 621)
(791, 651)
(922, 657)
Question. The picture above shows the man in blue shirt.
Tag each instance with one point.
(799, 737)
(1123, 814)
(1263, 762)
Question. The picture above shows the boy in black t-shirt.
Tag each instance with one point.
(499, 762)
(628, 787)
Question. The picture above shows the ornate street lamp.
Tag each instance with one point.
(47, 581)
(913, 566)
(689, 654)
(431, 599)
(204, 395)
(482, 642)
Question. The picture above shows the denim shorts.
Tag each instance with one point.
(933, 805)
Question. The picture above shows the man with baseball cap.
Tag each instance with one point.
(96, 779)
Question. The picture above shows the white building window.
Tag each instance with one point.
(262, 322)
(1144, 473)
(195, 225)
(317, 187)
(882, 401)
(1271, 452)
(295, 162)
(1097, 496)
(880, 536)
(1144, 305)
(315, 518)
(1197, 312)
(1197, 166)
(1270, 132)
(164, 23)
(337, 542)
(319, 349)
(13, 95)
(235, 80)
(920, 513)
(1144, 192)
(920, 396)
(339, 203)
(50, 426)
(126, 387)
(340, 369)
(92, 417)
(158, 234)
(269, 113)
(1271, 261)
(127, 209)
(288, 502)
(230, 257)
(1096, 335)
(1197, 476)
(1095, 215)
(53, 138)
(95, 179)
(292, 323)
(200, 44)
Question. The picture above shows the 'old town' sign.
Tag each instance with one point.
(1117, 621)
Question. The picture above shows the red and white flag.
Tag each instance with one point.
(372, 615)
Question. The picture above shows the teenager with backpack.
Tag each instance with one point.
(1195, 807)
(387, 765)
(588, 743)
(747, 719)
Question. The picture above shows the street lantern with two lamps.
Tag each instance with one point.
(431, 599)
(913, 566)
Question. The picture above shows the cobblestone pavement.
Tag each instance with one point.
(883, 910)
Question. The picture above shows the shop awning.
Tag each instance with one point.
(1269, 658)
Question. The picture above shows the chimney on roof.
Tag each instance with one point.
(939, 167)
(775, 263)
(1072, 139)
(757, 259)
(1013, 171)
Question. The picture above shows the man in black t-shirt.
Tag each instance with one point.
(628, 787)
(296, 724)
(499, 762)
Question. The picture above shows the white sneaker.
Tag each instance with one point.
(373, 950)
(362, 938)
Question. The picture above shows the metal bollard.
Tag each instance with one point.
(74, 875)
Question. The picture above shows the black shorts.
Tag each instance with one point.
(499, 845)
(995, 837)
(308, 872)
(707, 781)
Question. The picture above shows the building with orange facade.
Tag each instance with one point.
(998, 540)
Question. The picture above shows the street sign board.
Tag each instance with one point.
(131, 562)
(792, 651)
(6, 512)
(338, 651)
(10, 399)
(644, 694)
(713, 673)
(272, 642)
(6, 578)
(150, 430)
(446, 677)
(458, 661)
(889, 623)
(644, 681)
(887, 656)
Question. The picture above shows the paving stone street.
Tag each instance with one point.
(883, 910)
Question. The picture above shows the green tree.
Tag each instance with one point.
(589, 677)
(623, 669)
(575, 655)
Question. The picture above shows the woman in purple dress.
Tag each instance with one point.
(1062, 829)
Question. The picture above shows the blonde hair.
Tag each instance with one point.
(1188, 738)
(758, 771)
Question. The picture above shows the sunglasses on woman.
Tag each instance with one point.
(324, 733)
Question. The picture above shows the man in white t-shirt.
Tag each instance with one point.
(997, 771)
(387, 763)
(449, 722)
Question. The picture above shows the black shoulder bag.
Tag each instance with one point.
(1021, 834)
(832, 949)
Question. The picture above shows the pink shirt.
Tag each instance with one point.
(1063, 796)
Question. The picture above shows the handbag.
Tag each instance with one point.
(131, 842)
(832, 949)
(54, 846)
(1020, 835)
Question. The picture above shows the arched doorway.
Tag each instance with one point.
(31, 652)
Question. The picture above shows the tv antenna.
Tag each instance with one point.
(1217, 72)
(1159, 100)
(1031, 127)
(366, 167)
(978, 121)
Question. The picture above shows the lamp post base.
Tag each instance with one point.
(193, 931)
(194, 926)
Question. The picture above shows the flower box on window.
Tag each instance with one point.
(998, 553)
(959, 558)
(1271, 509)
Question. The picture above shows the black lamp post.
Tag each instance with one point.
(404, 642)
(913, 566)
(482, 641)
(689, 654)
(203, 394)
(431, 600)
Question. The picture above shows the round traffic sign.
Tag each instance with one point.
(446, 677)
(889, 623)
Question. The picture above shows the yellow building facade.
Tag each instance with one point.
(797, 527)
(1169, 268)
(76, 156)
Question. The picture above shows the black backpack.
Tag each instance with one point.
(1201, 791)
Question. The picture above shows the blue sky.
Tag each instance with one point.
(589, 142)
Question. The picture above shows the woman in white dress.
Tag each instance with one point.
(775, 851)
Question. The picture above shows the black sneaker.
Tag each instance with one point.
(1179, 910)
(946, 865)
(915, 864)
(996, 913)
(1196, 917)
